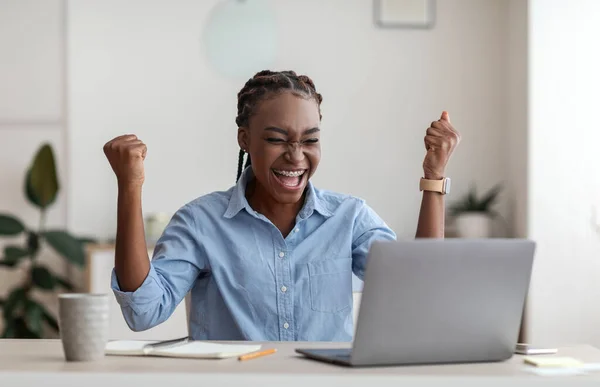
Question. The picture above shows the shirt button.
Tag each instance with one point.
(283, 289)
(281, 254)
(286, 325)
(296, 230)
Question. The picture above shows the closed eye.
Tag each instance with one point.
(274, 140)
(311, 140)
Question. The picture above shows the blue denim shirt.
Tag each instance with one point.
(247, 281)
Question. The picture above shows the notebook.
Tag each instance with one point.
(552, 361)
(182, 348)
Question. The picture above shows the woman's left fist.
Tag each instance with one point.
(440, 141)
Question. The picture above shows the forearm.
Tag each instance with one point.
(440, 140)
(131, 253)
(431, 216)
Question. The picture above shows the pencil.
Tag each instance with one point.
(254, 355)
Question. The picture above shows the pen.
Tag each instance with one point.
(257, 354)
(166, 343)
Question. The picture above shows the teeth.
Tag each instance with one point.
(289, 173)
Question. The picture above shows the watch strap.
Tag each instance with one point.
(433, 185)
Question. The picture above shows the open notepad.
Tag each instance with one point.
(178, 348)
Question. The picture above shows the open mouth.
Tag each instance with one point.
(290, 179)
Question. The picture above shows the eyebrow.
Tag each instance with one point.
(285, 132)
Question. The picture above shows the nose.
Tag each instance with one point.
(295, 153)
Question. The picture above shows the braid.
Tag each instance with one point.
(240, 163)
(266, 83)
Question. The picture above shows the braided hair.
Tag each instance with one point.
(262, 85)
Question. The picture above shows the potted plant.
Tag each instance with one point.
(473, 215)
(24, 317)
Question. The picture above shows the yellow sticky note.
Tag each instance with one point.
(552, 361)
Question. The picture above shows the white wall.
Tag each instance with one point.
(564, 179)
(137, 67)
(31, 66)
(31, 112)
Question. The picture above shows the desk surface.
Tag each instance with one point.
(24, 362)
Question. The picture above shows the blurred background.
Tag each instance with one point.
(518, 77)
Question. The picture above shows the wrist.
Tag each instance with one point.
(129, 187)
(433, 176)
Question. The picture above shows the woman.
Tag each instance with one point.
(271, 258)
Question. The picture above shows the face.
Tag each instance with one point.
(283, 141)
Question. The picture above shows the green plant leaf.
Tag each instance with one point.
(12, 257)
(34, 317)
(66, 245)
(9, 225)
(50, 320)
(42, 178)
(22, 331)
(471, 199)
(29, 192)
(42, 278)
(33, 243)
(64, 283)
(86, 240)
(9, 328)
(489, 199)
(471, 203)
(13, 254)
(15, 299)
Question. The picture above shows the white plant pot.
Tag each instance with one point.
(473, 225)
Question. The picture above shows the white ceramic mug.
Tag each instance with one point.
(83, 325)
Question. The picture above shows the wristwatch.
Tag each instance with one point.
(442, 186)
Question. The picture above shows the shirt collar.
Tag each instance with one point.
(238, 201)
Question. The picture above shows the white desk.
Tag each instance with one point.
(41, 363)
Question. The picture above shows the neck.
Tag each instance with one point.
(282, 215)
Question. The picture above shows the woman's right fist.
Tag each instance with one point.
(126, 156)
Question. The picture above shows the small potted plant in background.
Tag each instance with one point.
(24, 317)
(473, 215)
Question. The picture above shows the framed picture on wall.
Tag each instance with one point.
(404, 13)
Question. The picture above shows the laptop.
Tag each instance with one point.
(436, 301)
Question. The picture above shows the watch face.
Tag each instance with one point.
(447, 185)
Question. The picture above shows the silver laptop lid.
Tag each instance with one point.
(440, 301)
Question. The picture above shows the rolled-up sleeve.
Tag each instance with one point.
(176, 263)
(368, 227)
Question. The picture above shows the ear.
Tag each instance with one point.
(243, 138)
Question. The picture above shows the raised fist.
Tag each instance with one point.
(126, 156)
(440, 141)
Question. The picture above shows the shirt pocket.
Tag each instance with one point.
(330, 284)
